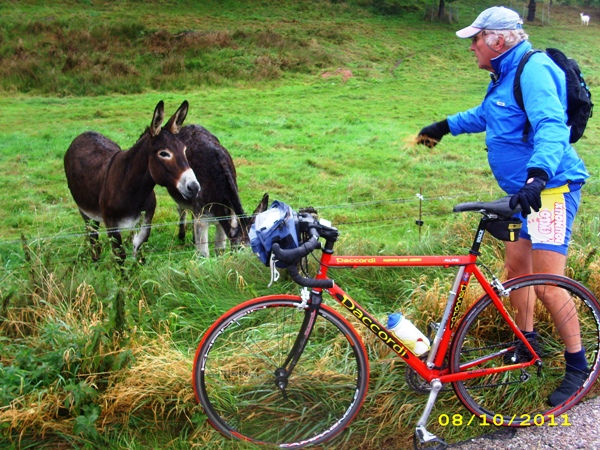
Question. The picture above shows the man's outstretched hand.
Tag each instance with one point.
(432, 134)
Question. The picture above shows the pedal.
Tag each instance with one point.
(423, 439)
(539, 365)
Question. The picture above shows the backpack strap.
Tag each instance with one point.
(517, 90)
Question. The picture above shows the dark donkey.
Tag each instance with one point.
(219, 201)
(117, 187)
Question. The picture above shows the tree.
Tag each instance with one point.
(531, 11)
(442, 8)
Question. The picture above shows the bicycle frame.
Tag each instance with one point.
(474, 347)
(432, 368)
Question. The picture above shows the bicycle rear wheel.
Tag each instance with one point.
(484, 340)
(240, 357)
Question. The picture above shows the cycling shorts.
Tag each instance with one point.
(550, 228)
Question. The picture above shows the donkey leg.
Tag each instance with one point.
(201, 234)
(182, 225)
(220, 239)
(93, 227)
(116, 240)
(143, 235)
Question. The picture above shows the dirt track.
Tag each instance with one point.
(581, 434)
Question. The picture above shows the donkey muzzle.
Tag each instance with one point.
(188, 185)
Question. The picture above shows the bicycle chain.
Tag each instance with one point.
(418, 383)
(501, 384)
(524, 375)
(420, 386)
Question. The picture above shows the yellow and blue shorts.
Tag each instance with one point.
(550, 228)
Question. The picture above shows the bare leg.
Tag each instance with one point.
(520, 260)
(557, 301)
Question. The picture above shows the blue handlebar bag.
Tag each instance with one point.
(276, 224)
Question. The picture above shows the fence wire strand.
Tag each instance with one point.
(418, 215)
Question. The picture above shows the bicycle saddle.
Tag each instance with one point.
(499, 207)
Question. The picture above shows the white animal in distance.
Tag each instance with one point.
(585, 19)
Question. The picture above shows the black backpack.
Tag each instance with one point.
(579, 97)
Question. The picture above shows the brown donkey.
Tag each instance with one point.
(219, 201)
(117, 187)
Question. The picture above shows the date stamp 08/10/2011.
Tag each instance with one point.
(523, 420)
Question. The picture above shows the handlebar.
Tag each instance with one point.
(306, 223)
(291, 257)
(294, 255)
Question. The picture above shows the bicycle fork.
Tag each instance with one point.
(311, 307)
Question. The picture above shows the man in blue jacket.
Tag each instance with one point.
(541, 172)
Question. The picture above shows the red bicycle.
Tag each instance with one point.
(290, 371)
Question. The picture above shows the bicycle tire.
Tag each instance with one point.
(234, 378)
(508, 399)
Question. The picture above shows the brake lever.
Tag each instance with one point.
(274, 271)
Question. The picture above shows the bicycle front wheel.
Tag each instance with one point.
(241, 359)
(484, 340)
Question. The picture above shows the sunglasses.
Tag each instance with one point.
(475, 38)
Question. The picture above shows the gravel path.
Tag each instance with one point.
(582, 434)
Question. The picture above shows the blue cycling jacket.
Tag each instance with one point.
(544, 96)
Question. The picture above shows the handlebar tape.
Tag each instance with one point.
(291, 257)
(308, 282)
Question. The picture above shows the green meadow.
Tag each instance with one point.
(317, 102)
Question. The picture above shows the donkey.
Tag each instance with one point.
(219, 200)
(117, 187)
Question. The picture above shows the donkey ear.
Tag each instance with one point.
(175, 122)
(263, 205)
(159, 116)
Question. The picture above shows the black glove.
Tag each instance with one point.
(529, 197)
(434, 132)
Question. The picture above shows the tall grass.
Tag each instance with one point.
(94, 355)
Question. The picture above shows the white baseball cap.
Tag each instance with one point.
(494, 18)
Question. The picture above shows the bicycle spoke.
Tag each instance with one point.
(238, 365)
(484, 341)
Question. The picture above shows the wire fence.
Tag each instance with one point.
(418, 211)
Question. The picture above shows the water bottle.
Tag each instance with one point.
(408, 334)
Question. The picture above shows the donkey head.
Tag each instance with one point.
(240, 226)
(168, 164)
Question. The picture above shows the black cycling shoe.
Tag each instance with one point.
(570, 384)
(520, 353)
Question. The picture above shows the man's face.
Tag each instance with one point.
(483, 52)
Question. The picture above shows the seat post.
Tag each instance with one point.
(479, 236)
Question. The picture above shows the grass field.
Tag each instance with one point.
(93, 356)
